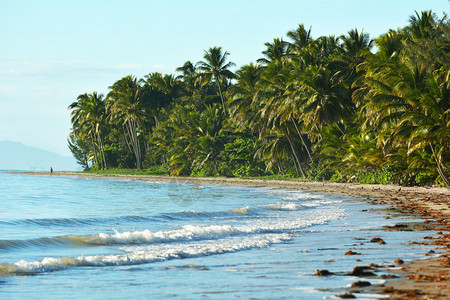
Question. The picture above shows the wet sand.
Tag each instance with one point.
(421, 279)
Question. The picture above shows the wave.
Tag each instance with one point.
(74, 222)
(285, 206)
(185, 233)
(288, 205)
(141, 255)
(245, 211)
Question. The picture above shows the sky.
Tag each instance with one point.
(51, 51)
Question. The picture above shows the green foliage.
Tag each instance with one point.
(384, 175)
(161, 170)
(80, 151)
(325, 109)
(207, 170)
(237, 158)
(424, 179)
(319, 173)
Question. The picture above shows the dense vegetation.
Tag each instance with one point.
(330, 108)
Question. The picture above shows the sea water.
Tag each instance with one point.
(84, 238)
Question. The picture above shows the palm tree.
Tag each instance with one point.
(354, 48)
(189, 76)
(215, 68)
(88, 117)
(206, 137)
(409, 107)
(327, 101)
(421, 25)
(300, 38)
(275, 51)
(270, 95)
(242, 93)
(80, 150)
(125, 105)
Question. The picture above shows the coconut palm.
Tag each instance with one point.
(327, 100)
(215, 68)
(125, 105)
(409, 107)
(300, 38)
(354, 46)
(88, 118)
(242, 93)
(275, 51)
(270, 95)
(189, 76)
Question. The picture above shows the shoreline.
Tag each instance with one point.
(420, 279)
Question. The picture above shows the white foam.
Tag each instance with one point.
(285, 206)
(143, 254)
(241, 211)
(199, 232)
(187, 241)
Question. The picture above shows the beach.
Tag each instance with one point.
(421, 279)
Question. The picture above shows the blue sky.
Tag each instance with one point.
(52, 51)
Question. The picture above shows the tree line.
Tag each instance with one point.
(344, 108)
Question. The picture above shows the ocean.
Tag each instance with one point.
(84, 238)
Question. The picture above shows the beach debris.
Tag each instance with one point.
(362, 271)
(378, 240)
(346, 296)
(323, 273)
(360, 284)
(388, 276)
(431, 278)
(397, 226)
(399, 261)
(410, 294)
(197, 267)
(352, 253)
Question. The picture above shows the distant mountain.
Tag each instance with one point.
(17, 156)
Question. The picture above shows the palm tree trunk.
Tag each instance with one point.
(301, 138)
(318, 131)
(280, 167)
(221, 97)
(125, 134)
(134, 142)
(102, 150)
(295, 165)
(343, 133)
(439, 167)
(95, 150)
(133, 146)
(294, 152)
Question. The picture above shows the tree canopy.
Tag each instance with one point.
(347, 108)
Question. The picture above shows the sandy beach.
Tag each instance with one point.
(422, 279)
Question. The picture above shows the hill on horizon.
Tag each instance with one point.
(17, 156)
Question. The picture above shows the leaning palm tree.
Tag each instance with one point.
(410, 108)
(216, 69)
(126, 107)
